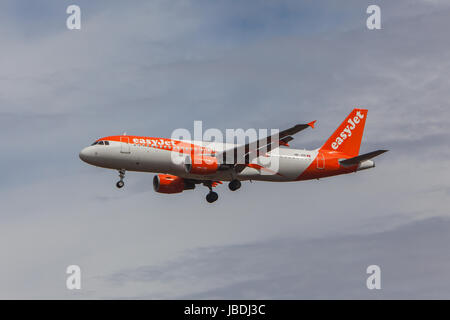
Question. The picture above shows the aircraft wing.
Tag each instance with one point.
(362, 157)
(244, 154)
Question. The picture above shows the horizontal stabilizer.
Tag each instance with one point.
(358, 159)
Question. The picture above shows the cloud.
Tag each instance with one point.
(156, 66)
(410, 257)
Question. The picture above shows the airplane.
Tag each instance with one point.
(211, 163)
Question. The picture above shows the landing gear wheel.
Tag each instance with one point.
(212, 196)
(120, 184)
(234, 185)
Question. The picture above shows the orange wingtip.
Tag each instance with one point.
(311, 124)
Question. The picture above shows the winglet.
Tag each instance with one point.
(311, 124)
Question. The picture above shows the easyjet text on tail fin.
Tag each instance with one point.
(347, 137)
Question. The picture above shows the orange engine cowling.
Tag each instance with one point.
(167, 183)
(201, 165)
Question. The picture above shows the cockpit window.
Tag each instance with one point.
(106, 143)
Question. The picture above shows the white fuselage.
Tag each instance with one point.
(281, 164)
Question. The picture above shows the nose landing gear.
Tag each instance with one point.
(120, 183)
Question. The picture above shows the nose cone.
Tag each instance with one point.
(86, 154)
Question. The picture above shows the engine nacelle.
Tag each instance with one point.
(201, 165)
(167, 183)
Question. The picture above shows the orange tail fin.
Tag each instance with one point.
(347, 137)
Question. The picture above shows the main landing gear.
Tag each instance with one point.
(120, 183)
(234, 185)
(211, 196)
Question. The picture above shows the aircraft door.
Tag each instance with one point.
(320, 161)
(125, 145)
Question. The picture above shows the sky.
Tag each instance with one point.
(150, 67)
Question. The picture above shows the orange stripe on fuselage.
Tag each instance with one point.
(161, 143)
(326, 164)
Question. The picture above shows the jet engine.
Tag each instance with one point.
(167, 183)
(202, 165)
